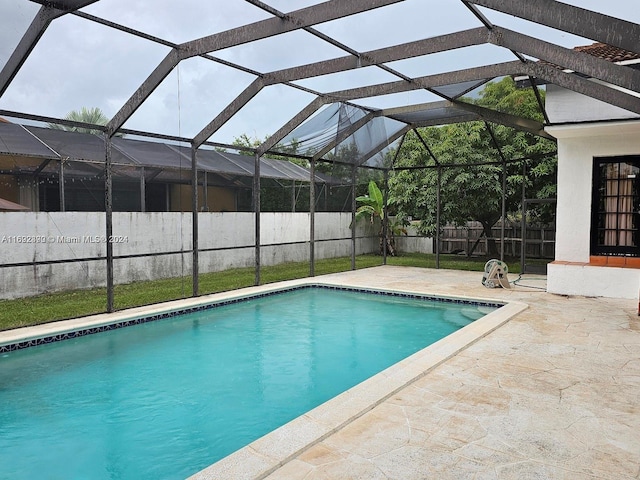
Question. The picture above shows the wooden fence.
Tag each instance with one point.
(540, 240)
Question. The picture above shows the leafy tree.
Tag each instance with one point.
(372, 208)
(474, 192)
(94, 116)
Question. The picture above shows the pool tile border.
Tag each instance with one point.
(81, 332)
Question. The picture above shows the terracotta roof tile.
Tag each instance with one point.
(607, 52)
(601, 50)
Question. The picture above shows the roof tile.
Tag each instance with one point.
(608, 52)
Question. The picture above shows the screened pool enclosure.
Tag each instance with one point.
(239, 133)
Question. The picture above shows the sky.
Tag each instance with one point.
(82, 64)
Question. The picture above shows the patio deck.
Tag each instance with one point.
(552, 394)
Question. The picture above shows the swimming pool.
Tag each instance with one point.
(96, 406)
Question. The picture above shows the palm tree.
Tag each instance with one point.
(93, 116)
(372, 207)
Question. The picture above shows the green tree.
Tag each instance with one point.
(474, 192)
(93, 116)
(372, 208)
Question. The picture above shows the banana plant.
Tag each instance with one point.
(372, 208)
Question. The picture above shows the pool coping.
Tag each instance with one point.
(268, 453)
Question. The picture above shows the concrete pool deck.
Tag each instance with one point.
(554, 393)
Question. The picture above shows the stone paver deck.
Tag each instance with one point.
(552, 394)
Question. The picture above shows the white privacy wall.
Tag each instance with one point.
(413, 242)
(32, 237)
(218, 231)
(27, 237)
(577, 147)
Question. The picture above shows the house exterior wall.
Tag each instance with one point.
(572, 272)
(59, 238)
(219, 199)
(29, 194)
(9, 189)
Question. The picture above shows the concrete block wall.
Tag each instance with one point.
(414, 243)
(61, 237)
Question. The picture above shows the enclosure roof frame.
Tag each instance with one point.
(620, 84)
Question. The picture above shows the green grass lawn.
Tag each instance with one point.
(57, 306)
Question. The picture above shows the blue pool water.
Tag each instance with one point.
(168, 398)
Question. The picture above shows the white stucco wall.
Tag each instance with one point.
(27, 237)
(413, 242)
(577, 147)
(593, 281)
(224, 230)
(331, 226)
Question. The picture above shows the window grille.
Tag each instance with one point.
(616, 206)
